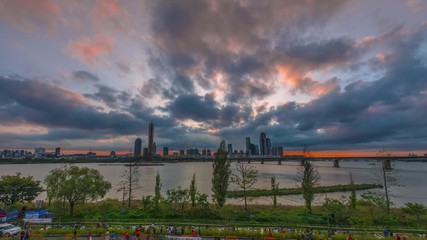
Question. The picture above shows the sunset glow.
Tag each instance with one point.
(346, 78)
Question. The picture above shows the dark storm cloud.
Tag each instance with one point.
(243, 40)
(389, 112)
(322, 52)
(31, 101)
(113, 98)
(85, 76)
(194, 107)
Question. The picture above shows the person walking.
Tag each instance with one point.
(126, 235)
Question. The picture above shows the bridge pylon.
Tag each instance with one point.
(336, 163)
(387, 164)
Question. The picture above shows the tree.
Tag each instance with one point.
(129, 182)
(157, 189)
(415, 209)
(353, 196)
(16, 188)
(245, 177)
(178, 197)
(377, 205)
(193, 191)
(76, 185)
(274, 190)
(309, 178)
(335, 210)
(386, 175)
(220, 177)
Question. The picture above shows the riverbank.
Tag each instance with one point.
(297, 191)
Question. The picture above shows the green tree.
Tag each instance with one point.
(129, 182)
(157, 190)
(415, 209)
(353, 196)
(244, 178)
(220, 177)
(193, 191)
(376, 204)
(178, 197)
(75, 185)
(335, 210)
(274, 190)
(384, 174)
(16, 188)
(146, 202)
(309, 178)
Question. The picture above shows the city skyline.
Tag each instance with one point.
(343, 77)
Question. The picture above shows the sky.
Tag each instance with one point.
(341, 77)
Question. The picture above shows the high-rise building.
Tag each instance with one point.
(150, 139)
(39, 152)
(113, 154)
(223, 146)
(57, 152)
(145, 152)
(262, 144)
(252, 149)
(274, 151)
(137, 148)
(204, 152)
(268, 146)
(230, 148)
(181, 152)
(257, 150)
(248, 146)
(154, 150)
(190, 152)
(280, 151)
(208, 152)
(165, 151)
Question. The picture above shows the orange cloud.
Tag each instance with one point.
(88, 49)
(299, 82)
(109, 13)
(29, 15)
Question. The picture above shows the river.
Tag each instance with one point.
(409, 186)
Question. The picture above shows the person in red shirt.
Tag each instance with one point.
(22, 234)
(350, 237)
(126, 235)
(136, 232)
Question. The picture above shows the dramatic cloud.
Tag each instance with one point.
(30, 15)
(305, 72)
(89, 49)
(85, 76)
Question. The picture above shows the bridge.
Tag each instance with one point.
(262, 159)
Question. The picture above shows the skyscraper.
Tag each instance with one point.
(248, 146)
(150, 139)
(280, 151)
(262, 144)
(268, 146)
(230, 148)
(165, 151)
(57, 152)
(274, 151)
(137, 148)
(223, 146)
(154, 150)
